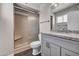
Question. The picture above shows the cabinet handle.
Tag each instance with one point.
(47, 45)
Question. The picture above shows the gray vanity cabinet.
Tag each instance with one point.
(65, 52)
(57, 46)
(49, 49)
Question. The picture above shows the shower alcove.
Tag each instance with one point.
(26, 28)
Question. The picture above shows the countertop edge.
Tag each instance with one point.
(61, 36)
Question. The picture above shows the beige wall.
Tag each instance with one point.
(44, 16)
(6, 29)
(27, 27)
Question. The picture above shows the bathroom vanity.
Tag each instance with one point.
(63, 40)
(59, 44)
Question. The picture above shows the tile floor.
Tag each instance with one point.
(26, 53)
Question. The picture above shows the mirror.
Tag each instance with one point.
(67, 19)
(61, 22)
(73, 21)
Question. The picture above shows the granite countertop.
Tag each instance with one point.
(68, 36)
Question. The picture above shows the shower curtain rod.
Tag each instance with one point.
(26, 9)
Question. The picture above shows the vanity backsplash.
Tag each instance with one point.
(60, 27)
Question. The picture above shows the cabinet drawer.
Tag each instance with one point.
(65, 52)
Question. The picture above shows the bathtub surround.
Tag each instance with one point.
(26, 27)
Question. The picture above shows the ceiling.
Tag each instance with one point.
(36, 6)
(62, 6)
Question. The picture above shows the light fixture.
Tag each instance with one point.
(54, 5)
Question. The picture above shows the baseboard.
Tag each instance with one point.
(11, 55)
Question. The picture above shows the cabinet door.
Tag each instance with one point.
(55, 50)
(45, 48)
(65, 52)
